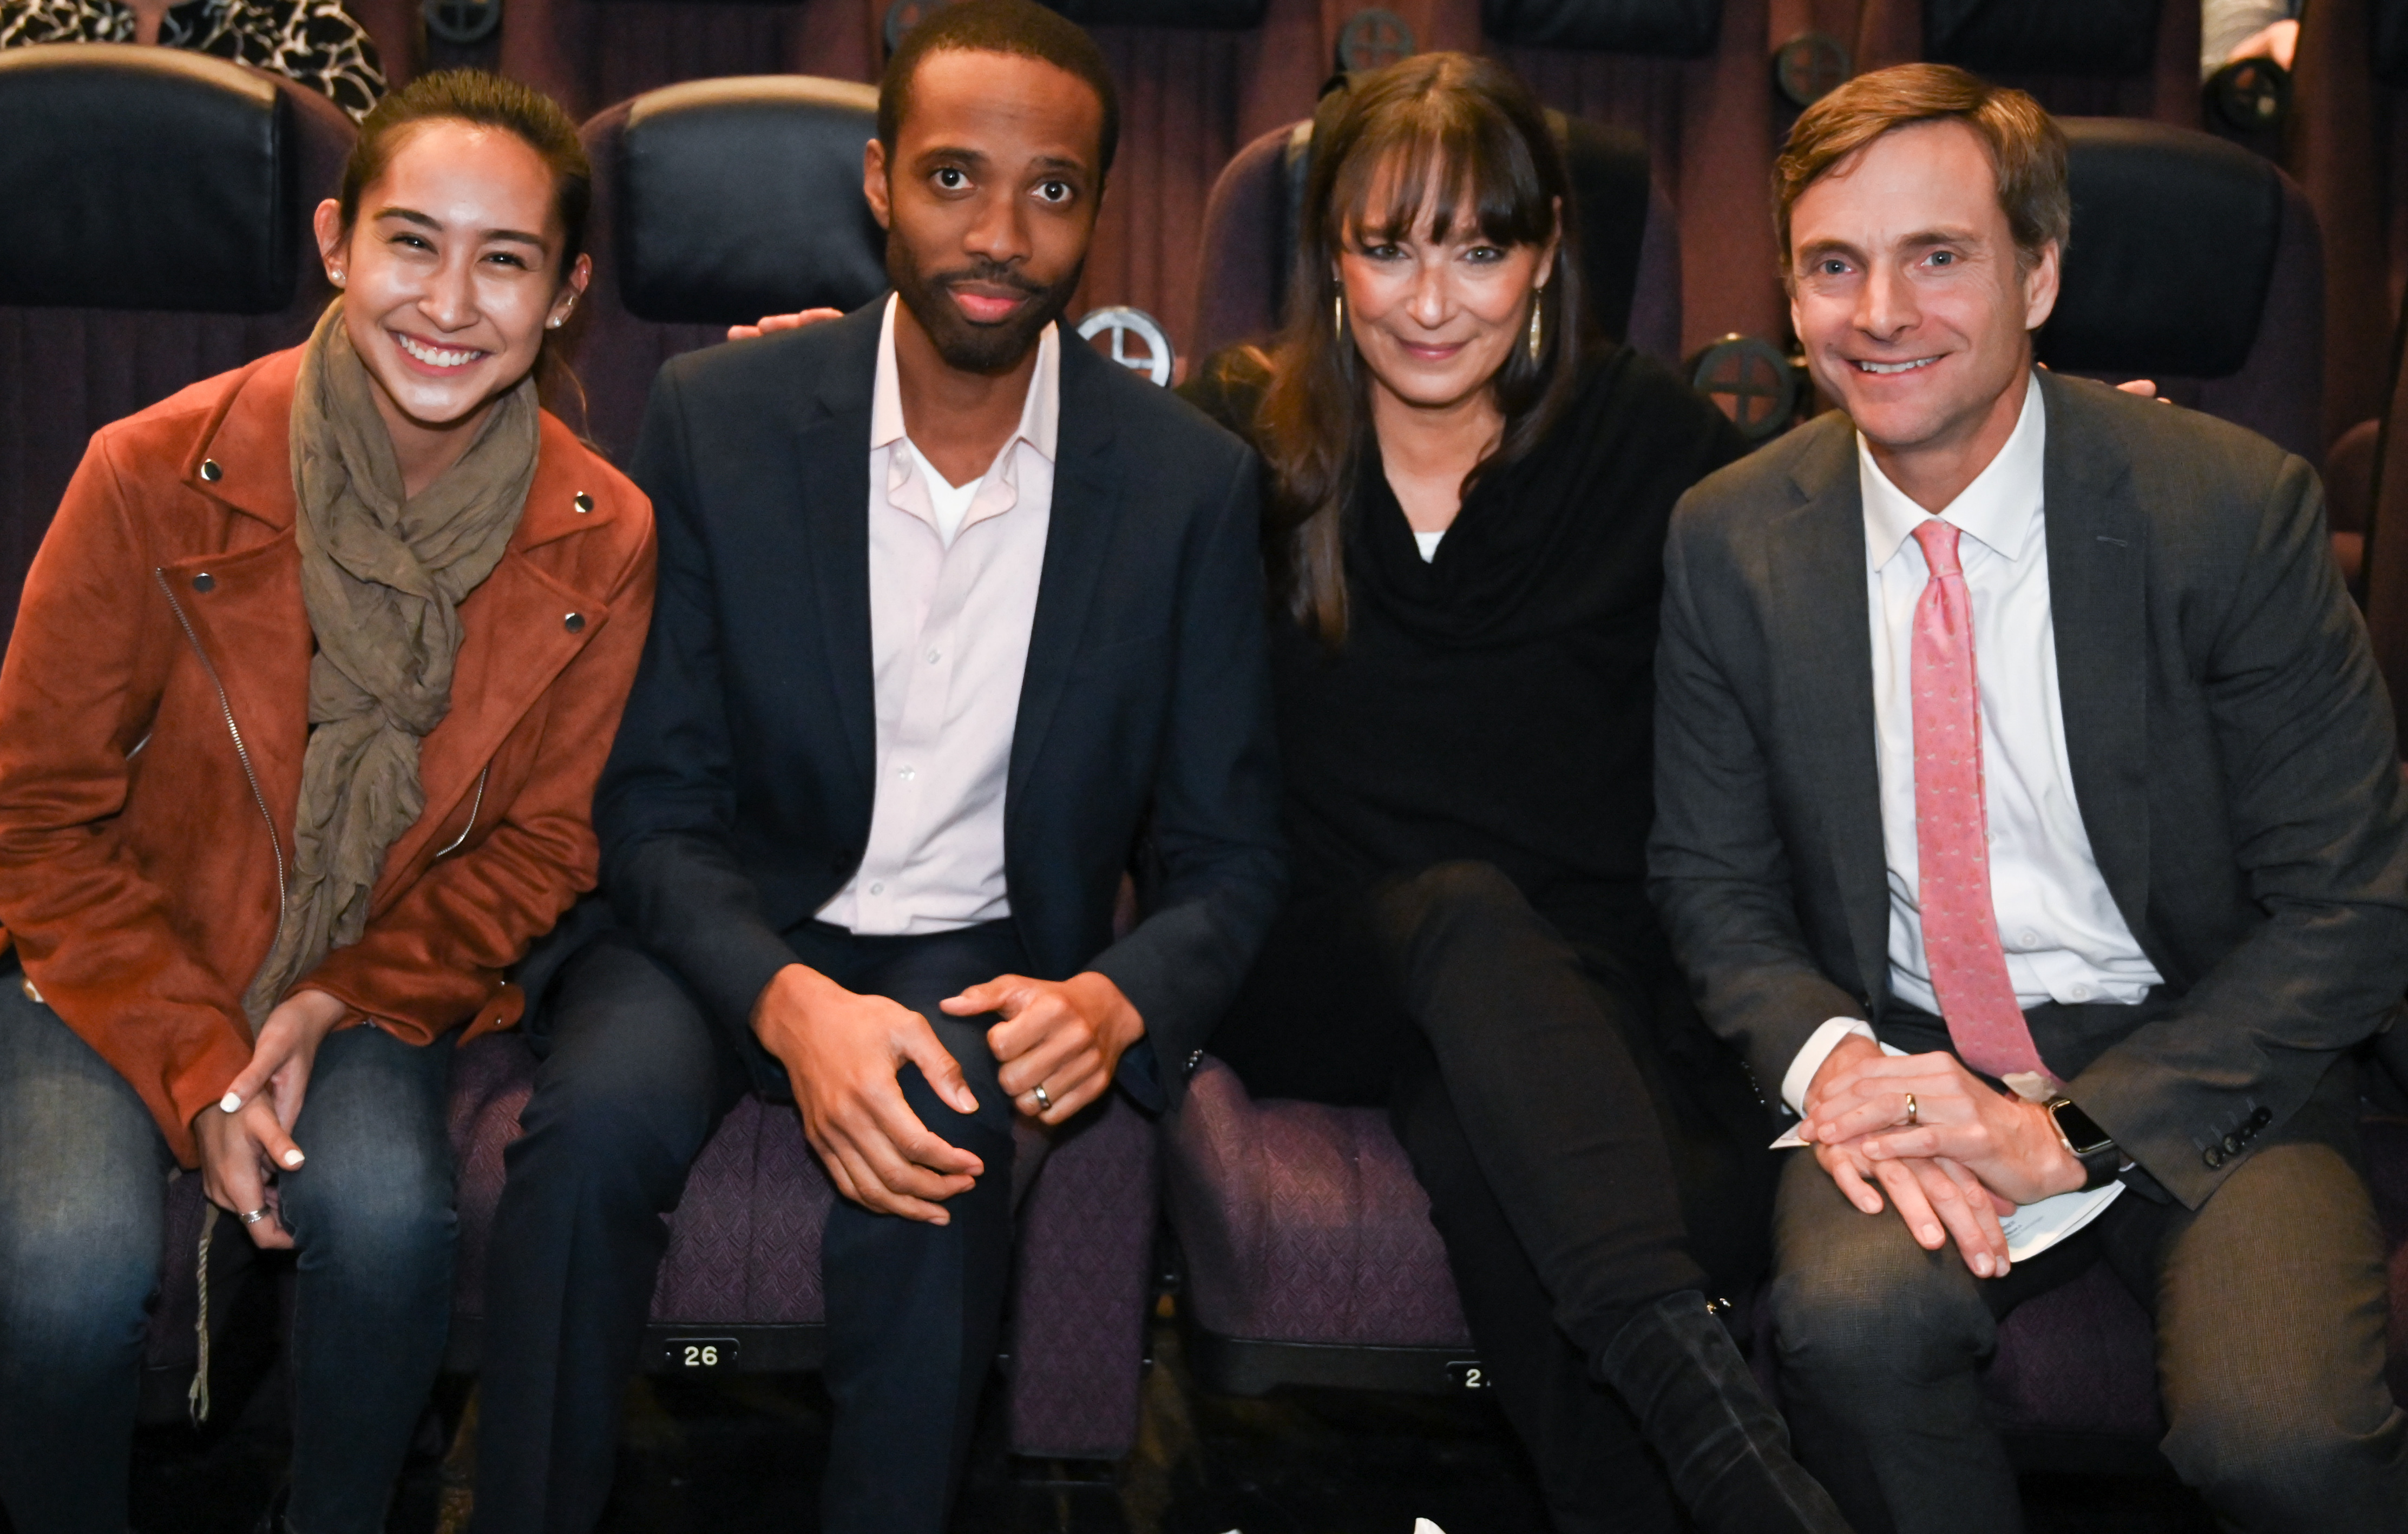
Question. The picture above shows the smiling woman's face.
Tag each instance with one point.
(1435, 312)
(449, 273)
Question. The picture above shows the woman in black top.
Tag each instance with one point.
(1469, 500)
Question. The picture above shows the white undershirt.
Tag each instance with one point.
(1427, 543)
(947, 501)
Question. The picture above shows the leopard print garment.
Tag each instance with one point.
(312, 41)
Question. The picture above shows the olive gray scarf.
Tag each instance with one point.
(382, 577)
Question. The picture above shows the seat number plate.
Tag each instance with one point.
(683, 1353)
(1468, 1373)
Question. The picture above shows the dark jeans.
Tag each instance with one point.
(2269, 1301)
(634, 1079)
(83, 1181)
(1582, 1156)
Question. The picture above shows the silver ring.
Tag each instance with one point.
(1045, 1099)
(1910, 1117)
(254, 1216)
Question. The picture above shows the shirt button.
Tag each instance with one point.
(2079, 993)
(907, 773)
(2028, 937)
(935, 655)
(878, 889)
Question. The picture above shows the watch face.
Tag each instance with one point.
(2081, 1130)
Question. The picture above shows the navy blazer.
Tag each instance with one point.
(2232, 752)
(737, 799)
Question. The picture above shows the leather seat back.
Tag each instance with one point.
(160, 205)
(716, 202)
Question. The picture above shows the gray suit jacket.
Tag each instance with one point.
(2232, 750)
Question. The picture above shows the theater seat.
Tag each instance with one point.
(2384, 572)
(2116, 58)
(740, 1288)
(159, 207)
(1629, 238)
(716, 202)
(1694, 79)
(2346, 140)
(2198, 264)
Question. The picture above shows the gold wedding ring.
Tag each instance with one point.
(1910, 1118)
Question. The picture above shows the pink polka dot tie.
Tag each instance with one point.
(1960, 925)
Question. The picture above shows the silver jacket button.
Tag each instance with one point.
(574, 623)
(210, 471)
(584, 503)
(204, 582)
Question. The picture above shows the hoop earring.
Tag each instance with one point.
(1338, 314)
(1538, 333)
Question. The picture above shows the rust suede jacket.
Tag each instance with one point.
(153, 710)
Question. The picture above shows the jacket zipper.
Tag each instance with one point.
(474, 805)
(275, 842)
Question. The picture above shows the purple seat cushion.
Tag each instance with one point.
(1303, 1222)
(744, 1245)
(2080, 1358)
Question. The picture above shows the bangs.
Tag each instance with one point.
(1435, 167)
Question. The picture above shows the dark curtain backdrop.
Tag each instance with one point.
(1191, 97)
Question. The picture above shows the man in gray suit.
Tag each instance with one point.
(2029, 814)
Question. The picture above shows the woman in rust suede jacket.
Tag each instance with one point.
(299, 729)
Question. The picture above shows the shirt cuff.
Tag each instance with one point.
(1818, 1048)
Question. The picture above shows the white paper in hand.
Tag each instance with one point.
(2033, 1229)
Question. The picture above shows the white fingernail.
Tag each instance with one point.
(293, 1157)
(229, 1103)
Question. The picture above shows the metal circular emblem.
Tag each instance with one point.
(461, 21)
(1155, 361)
(1751, 380)
(1810, 67)
(2250, 96)
(903, 15)
(1373, 38)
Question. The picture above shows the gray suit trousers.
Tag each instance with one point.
(2269, 1302)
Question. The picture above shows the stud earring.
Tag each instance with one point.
(552, 323)
(335, 278)
(1537, 336)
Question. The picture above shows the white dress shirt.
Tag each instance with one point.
(953, 572)
(2064, 939)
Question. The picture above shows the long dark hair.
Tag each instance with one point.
(1465, 133)
(537, 121)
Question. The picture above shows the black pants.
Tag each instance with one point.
(1586, 1146)
(633, 1081)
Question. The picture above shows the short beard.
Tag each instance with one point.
(967, 346)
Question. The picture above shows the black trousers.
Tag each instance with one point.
(634, 1079)
(1587, 1147)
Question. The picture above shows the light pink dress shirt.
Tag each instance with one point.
(948, 622)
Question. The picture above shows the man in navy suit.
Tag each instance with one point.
(953, 614)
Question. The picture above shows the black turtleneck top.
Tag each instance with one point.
(1497, 702)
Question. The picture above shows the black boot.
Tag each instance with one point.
(1700, 1408)
(271, 1519)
